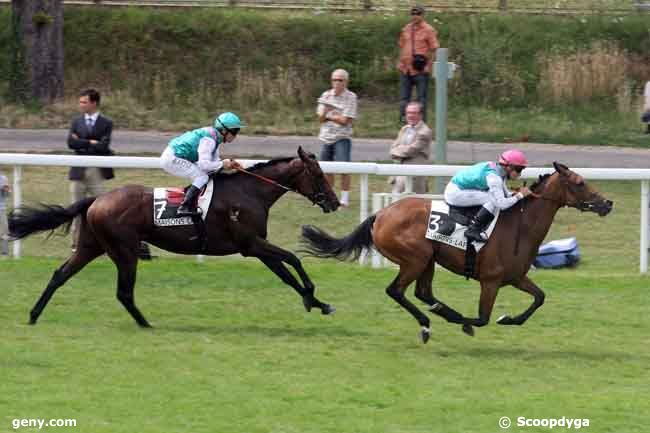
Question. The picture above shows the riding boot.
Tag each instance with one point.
(479, 223)
(188, 207)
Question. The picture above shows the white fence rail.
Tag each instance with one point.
(364, 169)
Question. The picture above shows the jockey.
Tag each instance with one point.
(195, 154)
(485, 184)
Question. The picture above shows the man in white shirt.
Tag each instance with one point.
(337, 109)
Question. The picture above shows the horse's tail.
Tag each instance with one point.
(27, 220)
(319, 244)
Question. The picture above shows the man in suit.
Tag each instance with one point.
(90, 134)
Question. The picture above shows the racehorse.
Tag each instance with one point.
(114, 223)
(397, 232)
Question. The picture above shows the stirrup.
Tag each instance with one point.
(480, 237)
(187, 212)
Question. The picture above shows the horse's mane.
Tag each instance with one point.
(540, 181)
(274, 161)
(258, 166)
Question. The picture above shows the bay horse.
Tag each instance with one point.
(397, 232)
(115, 222)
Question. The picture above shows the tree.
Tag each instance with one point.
(37, 66)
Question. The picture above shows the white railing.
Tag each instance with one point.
(364, 169)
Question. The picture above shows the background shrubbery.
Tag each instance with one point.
(184, 65)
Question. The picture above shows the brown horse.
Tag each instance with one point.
(398, 233)
(114, 223)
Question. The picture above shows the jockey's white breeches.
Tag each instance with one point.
(469, 197)
(183, 168)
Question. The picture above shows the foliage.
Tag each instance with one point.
(208, 57)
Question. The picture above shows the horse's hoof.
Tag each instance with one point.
(468, 329)
(32, 321)
(425, 334)
(327, 310)
(307, 303)
(504, 320)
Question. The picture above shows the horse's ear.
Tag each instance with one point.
(560, 168)
(302, 154)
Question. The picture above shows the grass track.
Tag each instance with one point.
(235, 352)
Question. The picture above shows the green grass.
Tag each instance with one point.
(232, 350)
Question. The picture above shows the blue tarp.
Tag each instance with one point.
(558, 254)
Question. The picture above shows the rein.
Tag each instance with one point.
(266, 179)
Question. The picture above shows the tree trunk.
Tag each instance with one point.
(37, 69)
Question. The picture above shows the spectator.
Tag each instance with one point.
(418, 42)
(337, 109)
(90, 134)
(645, 118)
(4, 228)
(412, 147)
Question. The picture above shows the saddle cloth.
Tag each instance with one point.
(442, 228)
(167, 200)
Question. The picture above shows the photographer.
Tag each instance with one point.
(418, 42)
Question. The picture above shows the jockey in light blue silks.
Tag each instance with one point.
(195, 154)
(484, 185)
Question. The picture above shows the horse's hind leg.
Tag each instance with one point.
(87, 251)
(423, 291)
(396, 291)
(525, 285)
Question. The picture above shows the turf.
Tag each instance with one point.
(232, 350)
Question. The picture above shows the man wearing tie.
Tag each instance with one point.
(89, 134)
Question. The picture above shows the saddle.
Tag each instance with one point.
(447, 224)
(463, 215)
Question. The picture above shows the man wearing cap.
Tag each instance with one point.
(195, 154)
(418, 42)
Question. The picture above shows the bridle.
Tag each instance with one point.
(581, 205)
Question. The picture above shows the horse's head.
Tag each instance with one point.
(569, 189)
(310, 182)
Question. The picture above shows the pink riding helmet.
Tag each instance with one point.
(513, 157)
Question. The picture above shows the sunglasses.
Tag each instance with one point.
(338, 79)
(416, 13)
(518, 168)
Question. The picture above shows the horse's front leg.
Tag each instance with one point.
(525, 285)
(273, 256)
(489, 292)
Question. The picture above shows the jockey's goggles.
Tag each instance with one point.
(233, 131)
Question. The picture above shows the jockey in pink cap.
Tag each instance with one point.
(484, 184)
